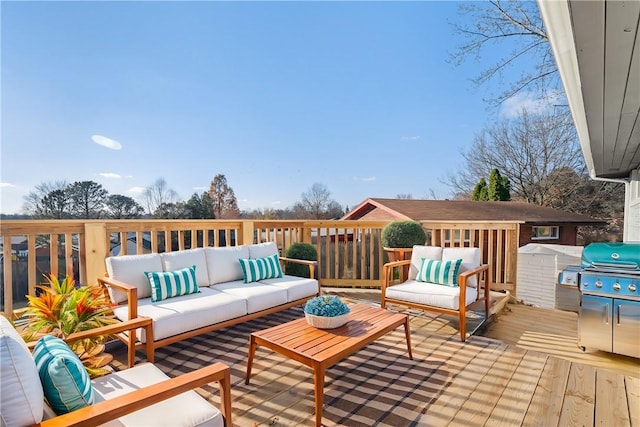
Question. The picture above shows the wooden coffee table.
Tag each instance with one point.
(323, 348)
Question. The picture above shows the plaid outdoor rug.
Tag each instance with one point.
(377, 386)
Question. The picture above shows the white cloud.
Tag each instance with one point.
(526, 101)
(110, 175)
(106, 142)
(6, 184)
(276, 202)
(367, 179)
(200, 188)
(136, 190)
(410, 138)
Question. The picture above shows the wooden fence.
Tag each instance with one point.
(349, 252)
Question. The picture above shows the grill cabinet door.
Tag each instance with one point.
(626, 328)
(594, 326)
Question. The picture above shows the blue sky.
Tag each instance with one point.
(276, 96)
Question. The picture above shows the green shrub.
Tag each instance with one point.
(403, 234)
(304, 251)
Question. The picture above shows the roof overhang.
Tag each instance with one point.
(596, 46)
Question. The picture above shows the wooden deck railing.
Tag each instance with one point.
(349, 252)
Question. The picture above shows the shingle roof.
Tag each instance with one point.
(463, 210)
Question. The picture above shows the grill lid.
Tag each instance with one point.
(612, 256)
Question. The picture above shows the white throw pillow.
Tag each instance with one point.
(21, 396)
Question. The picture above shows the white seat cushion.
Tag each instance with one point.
(131, 269)
(186, 409)
(297, 287)
(258, 295)
(223, 265)
(419, 252)
(178, 260)
(430, 294)
(187, 312)
(21, 396)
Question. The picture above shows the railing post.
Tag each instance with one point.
(247, 233)
(97, 250)
(306, 233)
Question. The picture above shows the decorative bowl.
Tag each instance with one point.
(323, 322)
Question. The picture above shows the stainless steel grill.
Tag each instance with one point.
(609, 284)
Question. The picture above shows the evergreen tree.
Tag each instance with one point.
(498, 190)
(480, 191)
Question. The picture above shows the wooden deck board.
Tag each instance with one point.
(580, 395)
(612, 408)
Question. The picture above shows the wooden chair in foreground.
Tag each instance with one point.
(432, 285)
(125, 397)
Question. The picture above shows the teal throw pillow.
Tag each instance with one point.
(65, 380)
(257, 269)
(168, 284)
(439, 272)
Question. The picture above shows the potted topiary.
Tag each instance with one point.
(398, 238)
(326, 312)
(61, 309)
(300, 250)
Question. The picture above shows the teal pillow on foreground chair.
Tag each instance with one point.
(64, 378)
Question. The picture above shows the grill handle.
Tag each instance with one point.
(606, 314)
(628, 265)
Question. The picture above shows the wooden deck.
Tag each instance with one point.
(526, 370)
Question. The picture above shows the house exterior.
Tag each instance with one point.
(537, 224)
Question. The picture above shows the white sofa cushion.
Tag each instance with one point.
(430, 294)
(262, 250)
(186, 409)
(187, 312)
(21, 396)
(419, 252)
(223, 265)
(297, 287)
(182, 259)
(470, 260)
(258, 295)
(131, 269)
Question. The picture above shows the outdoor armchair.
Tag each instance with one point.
(125, 397)
(442, 280)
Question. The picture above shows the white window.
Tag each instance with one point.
(545, 233)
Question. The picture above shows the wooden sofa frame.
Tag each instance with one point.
(108, 410)
(481, 273)
(132, 343)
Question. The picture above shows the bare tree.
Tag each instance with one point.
(317, 203)
(490, 24)
(158, 194)
(526, 150)
(404, 196)
(225, 204)
(33, 201)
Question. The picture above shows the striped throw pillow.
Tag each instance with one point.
(65, 380)
(439, 272)
(168, 284)
(257, 269)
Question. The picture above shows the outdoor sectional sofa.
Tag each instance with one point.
(222, 297)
